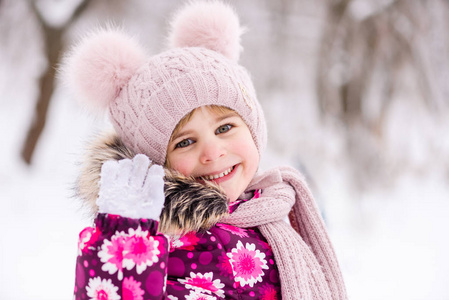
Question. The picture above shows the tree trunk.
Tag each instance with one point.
(53, 38)
(53, 41)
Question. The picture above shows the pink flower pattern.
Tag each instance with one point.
(224, 265)
(268, 292)
(203, 283)
(247, 264)
(199, 296)
(135, 249)
(220, 263)
(102, 289)
(111, 254)
(87, 238)
(132, 290)
(141, 250)
(234, 230)
(186, 242)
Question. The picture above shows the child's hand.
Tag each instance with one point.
(131, 188)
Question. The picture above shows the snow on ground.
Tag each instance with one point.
(391, 244)
(395, 245)
(39, 218)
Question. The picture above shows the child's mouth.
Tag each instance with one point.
(221, 176)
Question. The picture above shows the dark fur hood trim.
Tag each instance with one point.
(189, 205)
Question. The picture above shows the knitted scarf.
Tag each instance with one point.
(307, 264)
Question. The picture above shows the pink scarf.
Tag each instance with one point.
(307, 264)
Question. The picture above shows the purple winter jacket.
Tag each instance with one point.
(124, 258)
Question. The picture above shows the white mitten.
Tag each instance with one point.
(131, 188)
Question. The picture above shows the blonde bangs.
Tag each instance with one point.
(216, 109)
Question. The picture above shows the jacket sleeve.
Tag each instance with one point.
(121, 258)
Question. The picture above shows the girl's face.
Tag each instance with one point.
(215, 147)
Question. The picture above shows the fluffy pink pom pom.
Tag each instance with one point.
(213, 25)
(100, 65)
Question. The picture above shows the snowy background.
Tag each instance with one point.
(390, 231)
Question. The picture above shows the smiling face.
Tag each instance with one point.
(217, 147)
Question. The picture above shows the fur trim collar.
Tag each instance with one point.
(189, 205)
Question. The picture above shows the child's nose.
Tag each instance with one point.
(211, 152)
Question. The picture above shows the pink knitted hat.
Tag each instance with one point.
(148, 96)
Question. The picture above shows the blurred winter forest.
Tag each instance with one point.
(355, 94)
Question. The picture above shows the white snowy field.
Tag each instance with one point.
(391, 245)
(392, 242)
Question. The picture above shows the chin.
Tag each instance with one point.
(232, 197)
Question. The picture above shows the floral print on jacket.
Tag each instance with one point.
(124, 258)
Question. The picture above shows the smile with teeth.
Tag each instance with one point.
(216, 176)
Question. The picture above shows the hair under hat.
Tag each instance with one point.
(147, 96)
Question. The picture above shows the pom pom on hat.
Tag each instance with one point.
(146, 97)
(100, 65)
(213, 25)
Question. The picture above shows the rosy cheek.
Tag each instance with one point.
(182, 165)
(247, 149)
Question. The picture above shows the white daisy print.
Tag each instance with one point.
(204, 283)
(140, 250)
(247, 264)
(194, 295)
(111, 254)
(98, 289)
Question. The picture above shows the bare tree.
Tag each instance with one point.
(53, 38)
(360, 51)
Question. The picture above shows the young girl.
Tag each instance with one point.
(206, 225)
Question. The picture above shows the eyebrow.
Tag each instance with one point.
(217, 120)
(181, 133)
(225, 116)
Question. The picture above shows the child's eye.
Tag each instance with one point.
(223, 129)
(184, 143)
